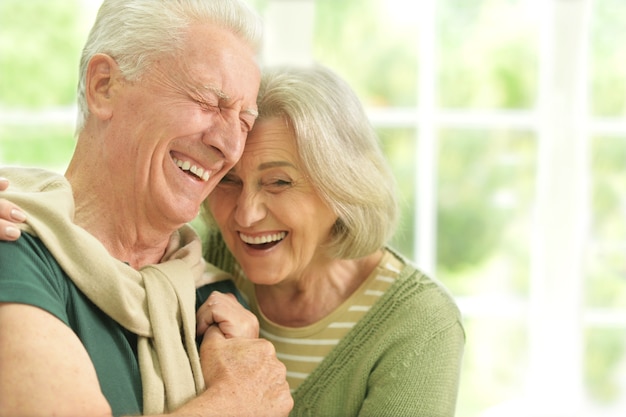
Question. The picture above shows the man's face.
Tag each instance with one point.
(181, 127)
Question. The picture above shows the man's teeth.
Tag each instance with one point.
(197, 171)
(259, 240)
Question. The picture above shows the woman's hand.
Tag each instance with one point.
(231, 317)
(10, 216)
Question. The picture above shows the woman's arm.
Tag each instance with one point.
(419, 372)
(418, 380)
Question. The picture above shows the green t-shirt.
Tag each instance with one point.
(30, 275)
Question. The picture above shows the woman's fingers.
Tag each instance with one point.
(10, 216)
(230, 316)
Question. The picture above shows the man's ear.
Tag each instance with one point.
(102, 74)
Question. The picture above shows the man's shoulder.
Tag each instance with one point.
(31, 179)
(27, 252)
(31, 275)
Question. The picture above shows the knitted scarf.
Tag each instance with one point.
(157, 302)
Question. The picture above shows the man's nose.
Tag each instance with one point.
(226, 135)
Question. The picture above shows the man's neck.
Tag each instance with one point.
(112, 220)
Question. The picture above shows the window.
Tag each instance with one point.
(503, 120)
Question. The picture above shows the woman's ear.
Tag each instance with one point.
(102, 74)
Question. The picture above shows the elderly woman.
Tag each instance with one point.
(305, 216)
(302, 222)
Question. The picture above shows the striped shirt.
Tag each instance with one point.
(301, 349)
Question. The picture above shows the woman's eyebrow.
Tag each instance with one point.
(275, 164)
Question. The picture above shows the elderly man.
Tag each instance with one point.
(97, 300)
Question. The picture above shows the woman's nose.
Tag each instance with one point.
(250, 209)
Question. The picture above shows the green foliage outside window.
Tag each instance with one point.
(39, 50)
(40, 43)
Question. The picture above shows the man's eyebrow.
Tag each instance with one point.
(223, 96)
(213, 89)
(252, 111)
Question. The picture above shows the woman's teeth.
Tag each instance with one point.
(197, 171)
(259, 240)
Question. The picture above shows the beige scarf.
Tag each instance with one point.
(157, 303)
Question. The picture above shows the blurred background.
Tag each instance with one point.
(505, 124)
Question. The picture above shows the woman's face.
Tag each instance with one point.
(269, 213)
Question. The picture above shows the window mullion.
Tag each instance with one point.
(426, 150)
(561, 212)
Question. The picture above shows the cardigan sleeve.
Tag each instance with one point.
(418, 375)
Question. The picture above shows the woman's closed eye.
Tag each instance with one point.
(281, 182)
(277, 184)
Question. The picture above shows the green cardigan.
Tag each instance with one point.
(402, 359)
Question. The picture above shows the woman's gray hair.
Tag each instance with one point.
(340, 152)
(135, 32)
